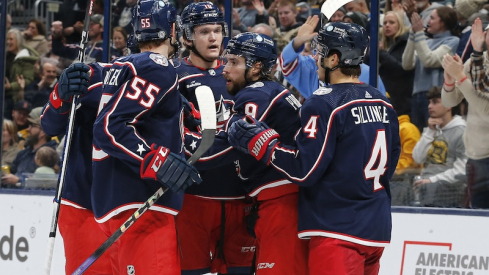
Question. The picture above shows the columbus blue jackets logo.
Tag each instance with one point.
(323, 91)
(159, 59)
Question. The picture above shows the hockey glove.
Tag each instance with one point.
(255, 138)
(191, 116)
(73, 81)
(169, 169)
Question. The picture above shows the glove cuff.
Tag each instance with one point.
(258, 146)
(57, 103)
(152, 162)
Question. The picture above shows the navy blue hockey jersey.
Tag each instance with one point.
(345, 154)
(222, 182)
(266, 101)
(78, 178)
(145, 108)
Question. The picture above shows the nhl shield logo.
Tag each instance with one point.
(131, 270)
(212, 72)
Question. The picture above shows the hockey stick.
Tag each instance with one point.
(66, 150)
(205, 99)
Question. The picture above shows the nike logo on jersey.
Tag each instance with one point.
(367, 114)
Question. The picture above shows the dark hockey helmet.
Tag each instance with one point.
(351, 40)
(153, 19)
(254, 47)
(201, 13)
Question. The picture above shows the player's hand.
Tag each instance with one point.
(417, 184)
(191, 116)
(172, 171)
(254, 138)
(72, 82)
(306, 32)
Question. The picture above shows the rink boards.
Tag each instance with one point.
(425, 241)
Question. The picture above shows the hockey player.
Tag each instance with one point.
(343, 157)
(212, 216)
(250, 58)
(81, 234)
(138, 147)
(297, 67)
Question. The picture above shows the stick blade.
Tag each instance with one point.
(331, 6)
(207, 108)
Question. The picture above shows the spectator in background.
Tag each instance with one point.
(35, 36)
(459, 79)
(119, 40)
(251, 13)
(289, 26)
(410, 136)
(123, 14)
(23, 64)
(20, 113)
(357, 18)
(393, 39)
(358, 6)
(71, 14)
(10, 142)
(424, 55)
(441, 151)
(422, 7)
(396, 5)
(465, 9)
(47, 161)
(338, 15)
(93, 52)
(24, 162)
(8, 22)
(38, 93)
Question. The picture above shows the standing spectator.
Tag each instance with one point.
(424, 55)
(20, 113)
(71, 14)
(393, 40)
(441, 151)
(338, 15)
(465, 9)
(38, 93)
(358, 6)
(396, 5)
(93, 51)
(423, 8)
(251, 13)
(24, 161)
(23, 65)
(138, 135)
(289, 26)
(341, 162)
(458, 85)
(123, 14)
(10, 142)
(35, 36)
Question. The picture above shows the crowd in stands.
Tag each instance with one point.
(433, 66)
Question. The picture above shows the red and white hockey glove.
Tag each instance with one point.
(73, 81)
(255, 139)
(169, 169)
(191, 116)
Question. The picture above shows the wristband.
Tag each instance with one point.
(448, 85)
(476, 52)
(462, 80)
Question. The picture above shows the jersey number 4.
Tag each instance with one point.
(379, 156)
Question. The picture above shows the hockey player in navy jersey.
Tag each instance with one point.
(273, 219)
(343, 157)
(81, 233)
(137, 147)
(211, 224)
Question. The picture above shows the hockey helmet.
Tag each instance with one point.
(201, 13)
(254, 47)
(351, 40)
(153, 19)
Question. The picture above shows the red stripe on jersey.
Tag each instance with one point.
(265, 113)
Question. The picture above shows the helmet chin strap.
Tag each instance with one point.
(327, 70)
(193, 49)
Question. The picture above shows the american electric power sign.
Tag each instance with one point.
(444, 242)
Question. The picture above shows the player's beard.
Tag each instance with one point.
(238, 84)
